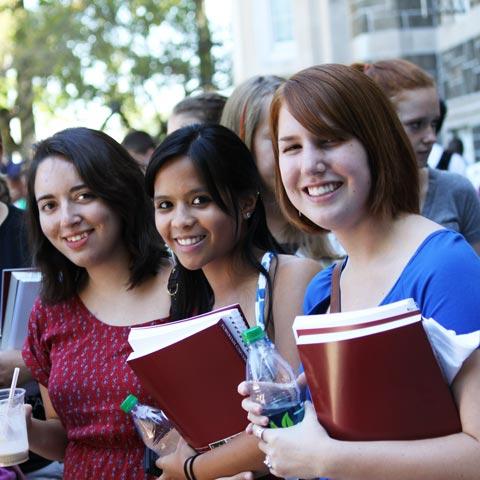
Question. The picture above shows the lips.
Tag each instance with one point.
(189, 241)
(324, 189)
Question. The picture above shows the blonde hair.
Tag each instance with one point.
(242, 114)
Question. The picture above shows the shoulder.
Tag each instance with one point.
(450, 179)
(293, 265)
(44, 311)
(443, 278)
(292, 276)
(318, 290)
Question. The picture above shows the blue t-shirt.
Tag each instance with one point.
(443, 277)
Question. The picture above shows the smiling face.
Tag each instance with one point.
(190, 222)
(419, 112)
(326, 180)
(76, 221)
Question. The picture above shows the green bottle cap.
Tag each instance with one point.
(129, 402)
(253, 334)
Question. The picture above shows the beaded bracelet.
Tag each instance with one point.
(188, 467)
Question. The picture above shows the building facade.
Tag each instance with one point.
(442, 36)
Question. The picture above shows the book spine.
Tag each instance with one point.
(232, 338)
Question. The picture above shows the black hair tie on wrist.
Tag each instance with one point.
(188, 467)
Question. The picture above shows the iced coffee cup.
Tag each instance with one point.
(13, 428)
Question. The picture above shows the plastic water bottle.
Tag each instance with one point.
(153, 426)
(273, 383)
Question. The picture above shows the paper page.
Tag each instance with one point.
(354, 317)
(451, 349)
(145, 340)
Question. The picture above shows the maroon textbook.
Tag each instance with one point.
(373, 374)
(192, 368)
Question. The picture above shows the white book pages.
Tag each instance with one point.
(145, 340)
(353, 318)
(22, 291)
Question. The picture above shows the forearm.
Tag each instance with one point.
(9, 359)
(453, 457)
(239, 455)
(47, 438)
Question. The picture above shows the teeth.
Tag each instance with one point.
(322, 190)
(76, 238)
(189, 240)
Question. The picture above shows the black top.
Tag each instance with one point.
(13, 241)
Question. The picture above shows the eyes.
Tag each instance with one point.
(417, 126)
(81, 197)
(196, 201)
(324, 144)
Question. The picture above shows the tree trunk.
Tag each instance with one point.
(24, 107)
(207, 66)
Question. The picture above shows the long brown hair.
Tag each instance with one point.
(336, 101)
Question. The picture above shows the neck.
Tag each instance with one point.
(110, 276)
(227, 277)
(369, 241)
(276, 222)
(423, 185)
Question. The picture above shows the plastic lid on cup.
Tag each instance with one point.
(128, 404)
(253, 334)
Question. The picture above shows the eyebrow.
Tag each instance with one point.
(288, 138)
(74, 189)
(191, 192)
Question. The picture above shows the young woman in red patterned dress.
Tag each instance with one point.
(104, 270)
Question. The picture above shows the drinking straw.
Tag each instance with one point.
(13, 386)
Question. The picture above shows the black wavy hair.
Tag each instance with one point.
(112, 174)
(229, 171)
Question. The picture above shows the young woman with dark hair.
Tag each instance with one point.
(205, 185)
(345, 164)
(104, 269)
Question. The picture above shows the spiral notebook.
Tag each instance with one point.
(192, 368)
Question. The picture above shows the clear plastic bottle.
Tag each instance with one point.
(273, 383)
(154, 427)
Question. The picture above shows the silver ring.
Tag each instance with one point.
(258, 431)
(267, 462)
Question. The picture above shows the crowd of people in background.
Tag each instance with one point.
(258, 195)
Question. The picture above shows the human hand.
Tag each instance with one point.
(28, 416)
(172, 464)
(253, 409)
(301, 451)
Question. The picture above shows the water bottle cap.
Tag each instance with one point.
(129, 402)
(253, 334)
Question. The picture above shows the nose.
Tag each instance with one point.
(313, 161)
(430, 135)
(183, 217)
(69, 215)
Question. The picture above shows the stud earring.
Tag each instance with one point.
(247, 215)
(299, 214)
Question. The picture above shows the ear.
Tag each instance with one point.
(247, 205)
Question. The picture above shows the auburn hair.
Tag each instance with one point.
(338, 102)
(396, 75)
